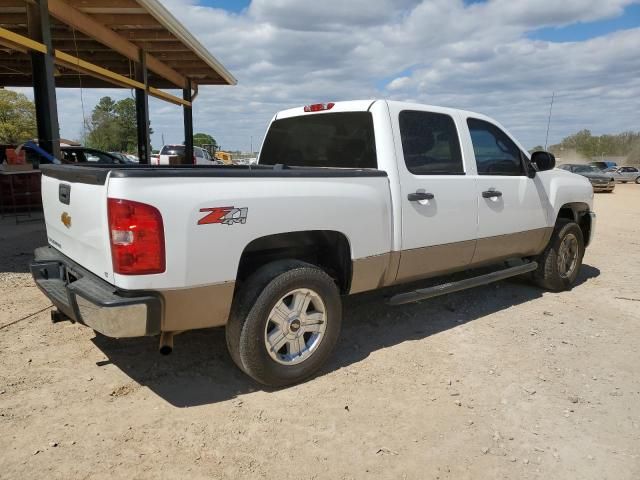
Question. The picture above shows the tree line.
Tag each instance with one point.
(596, 146)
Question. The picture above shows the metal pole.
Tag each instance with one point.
(142, 110)
(44, 87)
(188, 123)
(546, 140)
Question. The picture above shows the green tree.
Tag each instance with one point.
(103, 126)
(200, 139)
(125, 111)
(17, 117)
(113, 125)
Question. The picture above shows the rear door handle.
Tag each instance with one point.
(416, 197)
(491, 194)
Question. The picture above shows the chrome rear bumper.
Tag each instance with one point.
(87, 299)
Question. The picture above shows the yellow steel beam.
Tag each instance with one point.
(13, 40)
(162, 95)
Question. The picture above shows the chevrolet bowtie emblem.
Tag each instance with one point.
(65, 218)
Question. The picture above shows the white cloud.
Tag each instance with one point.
(290, 52)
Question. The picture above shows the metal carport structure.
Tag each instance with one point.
(134, 44)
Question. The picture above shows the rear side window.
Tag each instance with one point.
(430, 143)
(73, 156)
(495, 152)
(343, 140)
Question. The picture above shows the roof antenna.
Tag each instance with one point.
(546, 140)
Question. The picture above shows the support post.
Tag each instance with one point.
(142, 110)
(44, 87)
(188, 123)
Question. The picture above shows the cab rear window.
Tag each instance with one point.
(342, 140)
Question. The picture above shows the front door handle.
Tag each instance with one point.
(491, 194)
(416, 197)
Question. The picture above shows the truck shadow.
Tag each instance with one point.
(200, 371)
(18, 241)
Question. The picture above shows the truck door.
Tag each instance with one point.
(438, 201)
(513, 208)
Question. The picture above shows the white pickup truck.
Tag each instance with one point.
(347, 197)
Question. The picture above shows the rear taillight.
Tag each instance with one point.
(194, 160)
(318, 107)
(137, 237)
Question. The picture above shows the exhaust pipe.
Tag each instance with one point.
(166, 343)
(57, 316)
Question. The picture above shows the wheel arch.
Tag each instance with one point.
(327, 249)
(577, 212)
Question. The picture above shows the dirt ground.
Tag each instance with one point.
(503, 381)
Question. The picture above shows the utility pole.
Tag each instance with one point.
(546, 140)
(251, 151)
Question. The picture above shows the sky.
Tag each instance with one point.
(503, 58)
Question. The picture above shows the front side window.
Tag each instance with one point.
(430, 143)
(495, 152)
(342, 139)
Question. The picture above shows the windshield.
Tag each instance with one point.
(342, 139)
(586, 169)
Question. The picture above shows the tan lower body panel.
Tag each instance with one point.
(373, 272)
(380, 270)
(521, 244)
(199, 307)
(430, 261)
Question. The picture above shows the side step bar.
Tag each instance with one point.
(451, 287)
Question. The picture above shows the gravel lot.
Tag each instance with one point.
(503, 381)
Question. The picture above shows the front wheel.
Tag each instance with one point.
(559, 264)
(285, 322)
(638, 180)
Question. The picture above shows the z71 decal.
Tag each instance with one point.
(225, 215)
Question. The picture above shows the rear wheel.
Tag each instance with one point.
(638, 180)
(285, 322)
(559, 264)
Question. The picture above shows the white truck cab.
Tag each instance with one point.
(346, 197)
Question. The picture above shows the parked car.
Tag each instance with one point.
(88, 155)
(125, 157)
(346, 197)
(70, 155)
(200, 156)
(626, 174)
(601, 181)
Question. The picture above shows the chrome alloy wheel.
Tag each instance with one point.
(568, 255)
(295, 327)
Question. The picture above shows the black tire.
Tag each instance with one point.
(245, 330)
(547, 274)
(638, 180)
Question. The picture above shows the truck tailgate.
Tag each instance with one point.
(75, 213)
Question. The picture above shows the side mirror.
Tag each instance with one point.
(543, 161)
